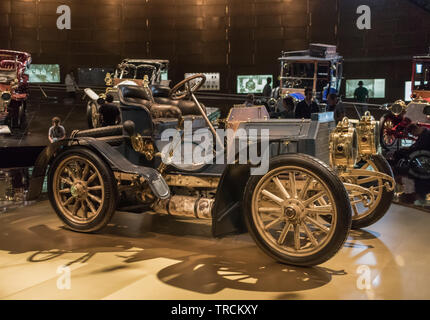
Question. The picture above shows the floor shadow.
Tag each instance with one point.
(210, 275)
(206, 265)
(199, 263)
(362, 234)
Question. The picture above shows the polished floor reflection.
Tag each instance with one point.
(154, 257)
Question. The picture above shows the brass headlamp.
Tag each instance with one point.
(343, 145)
(368, 135)
(5, 98)
(398, 107)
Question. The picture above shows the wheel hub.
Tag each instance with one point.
(78, 190)
(290, 212)
(293, 210)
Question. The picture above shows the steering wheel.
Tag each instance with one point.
(187, 86)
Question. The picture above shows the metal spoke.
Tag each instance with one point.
(97, 199)
(75, 208)
(91, 178)
(85, 172)
(305, 188)
(320, 209)
(297, 237)
(292, 177)
(271, 224)
(318, 224)
(284, 233)
(272, 196)
(65, 180)
(310, 235)
(95, 188)
(322, 201)
(84, 210)
(313, 198)
(354, 208)
(90, 205)
(281, 188)
(69, 201)
(71, 173)
(269, 210)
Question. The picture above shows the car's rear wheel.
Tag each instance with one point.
(387, 136)
(82, 190)
(363, 214)
(299, 212)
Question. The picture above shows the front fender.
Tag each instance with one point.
(112, 156)
(42, 162)
(227, 217)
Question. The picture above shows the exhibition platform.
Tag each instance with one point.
(158, 257)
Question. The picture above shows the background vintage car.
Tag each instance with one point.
(13, 87)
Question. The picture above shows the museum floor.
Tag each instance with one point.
(155, 257)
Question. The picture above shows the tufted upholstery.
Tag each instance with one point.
(163, 107)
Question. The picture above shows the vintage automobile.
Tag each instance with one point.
(320, 68)
(399, 115)
(394, 130)
(299, 212)
(129, 72)
(13, 87)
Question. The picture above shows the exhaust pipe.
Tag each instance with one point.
(185, 206)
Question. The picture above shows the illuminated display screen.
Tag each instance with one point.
(44, 73)
(252, 83)
(419, 68)
(164, 75)
(376, 87)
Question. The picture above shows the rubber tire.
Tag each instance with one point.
(412, 171)
(111, 193)
(344, 217)
(387, 197)
(381, 132)
(21, 117)
(89, 115)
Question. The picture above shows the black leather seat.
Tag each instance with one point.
(160, 91)
(143, 96)
(187, 107)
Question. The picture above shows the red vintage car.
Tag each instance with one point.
(399, 116)
(13, 87)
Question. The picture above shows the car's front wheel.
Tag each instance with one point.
(299, 212)
(93, 116)
(364, 214)
(82, 190)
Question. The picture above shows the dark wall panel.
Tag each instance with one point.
(228, 36)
